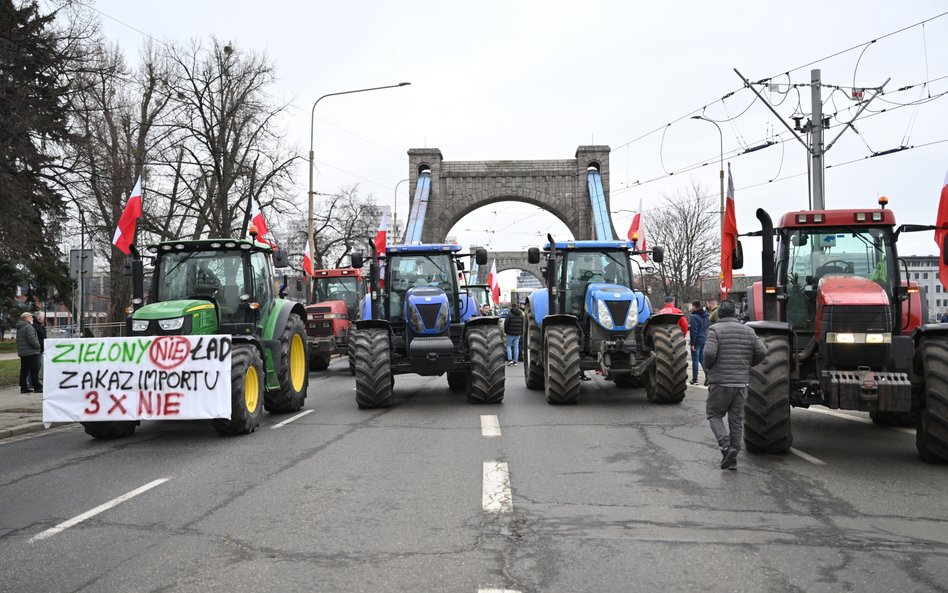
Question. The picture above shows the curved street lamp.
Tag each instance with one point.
(312, 115)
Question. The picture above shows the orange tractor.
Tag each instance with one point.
(336, 297)
(844, 328)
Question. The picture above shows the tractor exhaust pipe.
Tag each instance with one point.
(768, 273)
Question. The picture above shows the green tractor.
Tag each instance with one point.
(225, 287)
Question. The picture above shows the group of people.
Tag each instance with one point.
(30, 341)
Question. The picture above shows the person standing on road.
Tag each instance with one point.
(671, 309)
(513, 327)
(729, 353)
(28, 349)
(712, 306)
(697, 333)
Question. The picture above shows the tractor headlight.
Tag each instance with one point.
(603, 315)
(415, 318)
(139, 325)
(845, 338)
(171, 324)
(632, 318)
(442, 321)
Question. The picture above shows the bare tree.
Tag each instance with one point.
(686, 225)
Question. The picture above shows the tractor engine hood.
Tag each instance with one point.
(332, 309)
(851, 290)
(427, 310)
(613, 306)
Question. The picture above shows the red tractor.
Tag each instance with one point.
(844, 328)
(336, 297)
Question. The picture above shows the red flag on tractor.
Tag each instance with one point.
(637, 232)
(728, 237)
(307, 261)
(125, 231)
(942, 232)
(492, 282)
(381, 236)
(260, 224)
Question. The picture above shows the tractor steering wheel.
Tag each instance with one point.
(833, 266)
(590, 274)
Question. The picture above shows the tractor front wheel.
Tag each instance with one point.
(371, 349)
(485, 378)
(931, 436)
(457, 381)
(319, 361)
(532, 353)
(291, 370)
(767, 410)
(110, 430)
(671, 364)
(246, 392)
(562, 377)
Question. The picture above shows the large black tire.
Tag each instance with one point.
(485, 378)
(767, 410)
(319, 361)
(372, 351)
(457, 381)
(671, 364)
(110, 430)
(532, 349)
(931, 437)
(291, 370)
(561, 345)
(246, 392)
(894, 418)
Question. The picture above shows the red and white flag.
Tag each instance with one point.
(125, 231)
(637, 232)
(307, 261)
(381, 236)
(492, 282)
(728, 237)
(942, 232)
(260, 224)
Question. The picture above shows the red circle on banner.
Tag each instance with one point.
(168, 352)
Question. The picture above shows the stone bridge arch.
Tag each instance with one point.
(558, 186)
(508, 260)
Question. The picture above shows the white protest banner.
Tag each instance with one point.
(141, 378)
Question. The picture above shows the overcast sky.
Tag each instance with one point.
(534, 80)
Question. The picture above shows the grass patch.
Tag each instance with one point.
(8, 346)
(9, 372)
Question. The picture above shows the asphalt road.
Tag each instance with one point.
(613, 494)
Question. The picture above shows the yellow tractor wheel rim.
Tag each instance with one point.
(297, 362)
(251, 389)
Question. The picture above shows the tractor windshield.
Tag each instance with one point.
(213, 275)
(344, 288)
(812, 254)
(404, 272)
(582, 268)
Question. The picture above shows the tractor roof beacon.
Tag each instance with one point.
(418, 320)
(225, 286)
(589, 317)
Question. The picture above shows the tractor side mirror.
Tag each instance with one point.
(799, 239)
(127, 269)
(737, 257)
(357, 259)
(533, 255)
(279, 259)
(480, 256)
(658, 254)
(460, 265)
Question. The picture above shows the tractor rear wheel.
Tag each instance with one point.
(372, 351)
(457, 380)
(110, 430)
(532, 353)
(291, 370)
(319, 361)
(767, 410)
(931, 437)
(246, 392)
(485, 379)
(561, 345)
(671, 364)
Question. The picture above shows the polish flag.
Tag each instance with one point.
(637, 230)
(942, 232)
(125, 232)
(492, 282)
(382, 234)
(307, 261)
(728, 237)
(261, 226)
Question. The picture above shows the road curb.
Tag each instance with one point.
(21, 429)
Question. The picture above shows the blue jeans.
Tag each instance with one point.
(513, 344)
(696, 355)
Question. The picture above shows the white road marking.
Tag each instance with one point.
(906, 430)
(288, 420)
(496, 497)
(490, 426)
(99, 509)
(490, 590)
(806, 457)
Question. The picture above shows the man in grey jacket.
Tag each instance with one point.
(28, 348)
(730, 351)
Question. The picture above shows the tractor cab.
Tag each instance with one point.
(421, 287)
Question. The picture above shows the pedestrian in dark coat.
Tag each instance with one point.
(697, 333)
(28, 349)
(39, 324)
(513, 327)
(732, 348)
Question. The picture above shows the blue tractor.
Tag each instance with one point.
(417, 319)
(589, 318)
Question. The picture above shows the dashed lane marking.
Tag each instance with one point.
(490, 426)
(99, 509)
(807, 457)
(491, 590)
(496, 496)
(288, 420)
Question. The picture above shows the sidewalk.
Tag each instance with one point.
(20, 413)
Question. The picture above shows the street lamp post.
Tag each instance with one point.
(395, 209)
(312, 115)
(721, 174)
